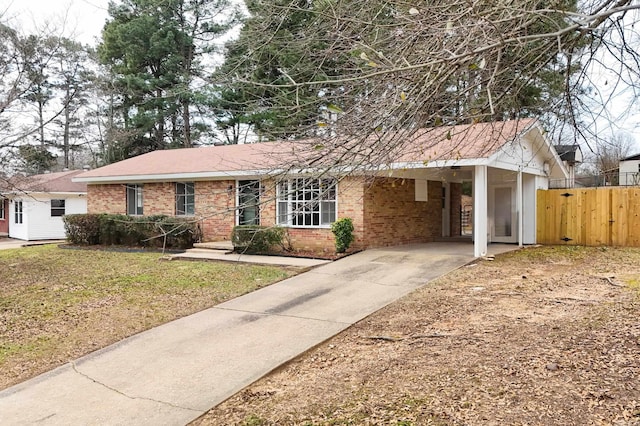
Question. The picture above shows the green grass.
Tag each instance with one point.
(57, 304)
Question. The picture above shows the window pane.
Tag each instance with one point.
(57, 208)
(328, 212)
(134, 200)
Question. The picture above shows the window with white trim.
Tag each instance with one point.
(18, 212)
(134, 200)
(185, 199)
(307, 202)
(57, 208)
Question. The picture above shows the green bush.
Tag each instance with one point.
(143, 231)
(343, 231)
(257, 239)
(82, 228)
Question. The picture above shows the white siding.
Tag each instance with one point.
(630, 172)
(38, 224)
(18, 230)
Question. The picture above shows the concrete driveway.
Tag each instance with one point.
(172, 374)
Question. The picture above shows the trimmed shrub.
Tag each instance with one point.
(143, 231)
(82, 228)
(257, 239)
(343, 231)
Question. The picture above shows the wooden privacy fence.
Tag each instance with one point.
(604, 216)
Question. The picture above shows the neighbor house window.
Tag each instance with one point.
(57, 208)
(2, 213)
(18, 212)
(185, 199)
(134, 200)
(307, 202)
(249, 202)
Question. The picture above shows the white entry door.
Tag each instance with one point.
(503, 208)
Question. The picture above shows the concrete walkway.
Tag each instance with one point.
(12, 243)
(203, 254)
(172, 374)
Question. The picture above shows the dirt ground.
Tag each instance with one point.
(542, 336)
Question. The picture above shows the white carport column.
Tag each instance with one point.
(520, 207)
(480, 196)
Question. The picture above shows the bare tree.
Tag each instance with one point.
(388, 68)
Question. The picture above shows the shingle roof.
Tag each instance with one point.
(47, 182)
(631, 157)
(474, 141)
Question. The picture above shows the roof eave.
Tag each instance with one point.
(168, 177)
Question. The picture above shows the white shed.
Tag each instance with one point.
(630, 171)
(37, 204)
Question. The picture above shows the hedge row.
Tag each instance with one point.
(257, 239)
(143, 231)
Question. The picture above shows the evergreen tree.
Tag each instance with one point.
(156, 50)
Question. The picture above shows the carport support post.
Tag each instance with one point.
(519, 206)
(480, 195)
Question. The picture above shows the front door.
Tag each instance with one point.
(503, 207)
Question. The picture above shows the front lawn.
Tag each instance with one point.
(58, 304)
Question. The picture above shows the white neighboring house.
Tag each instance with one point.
(37, 203)
(630, 171)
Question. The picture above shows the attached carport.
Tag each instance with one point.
(505, 169)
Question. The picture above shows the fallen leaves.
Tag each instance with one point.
(479, 346)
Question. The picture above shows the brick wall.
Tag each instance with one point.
(350, 196)
(214, 203)
(392, 216)
(4, 222)
(383, 210)
(455, 209)
(215, 207)
(107, 199)
(159, 198)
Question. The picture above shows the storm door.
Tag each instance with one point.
(503, 202)
(249, 202)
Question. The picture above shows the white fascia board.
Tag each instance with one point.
(515, 168)
(547, 143)
(170, 177)
(34, 194)
(436, 164)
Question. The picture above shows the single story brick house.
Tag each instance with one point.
(413, 195)
(32, 207)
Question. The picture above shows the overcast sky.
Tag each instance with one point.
(83, 20)
(79, 19)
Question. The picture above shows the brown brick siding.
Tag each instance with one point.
(107, 199)
(383, 210)
(4, 222)
(215, 203)
(392, 216)
(215, 206)
(350, 193)
(455, 200)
